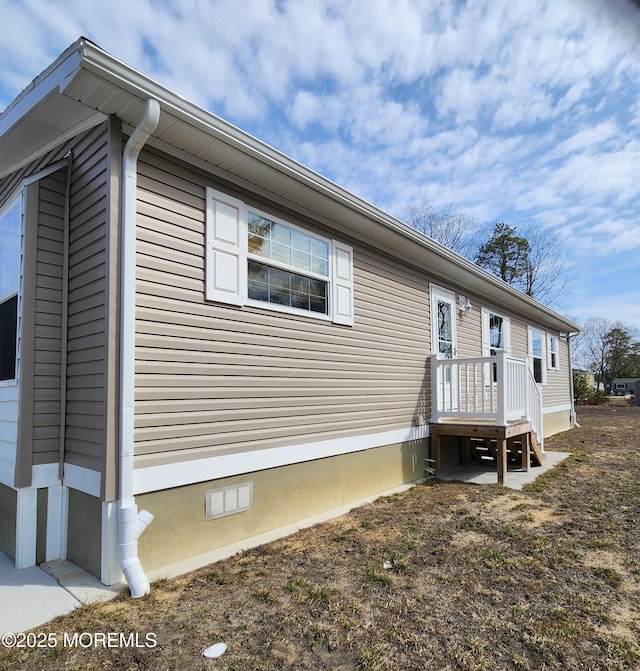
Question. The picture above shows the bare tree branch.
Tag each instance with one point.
(449, 227)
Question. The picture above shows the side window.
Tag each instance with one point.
(538, 354)
(496, 335)
(554, 360)
(10, 254)
(255, 259)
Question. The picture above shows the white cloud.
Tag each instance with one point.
(517, 111)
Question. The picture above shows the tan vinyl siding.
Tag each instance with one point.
(558, 390)
(519, 338)
(87, 324)
(469, 329)
(87, 411)
(48, 319)
(212, 379)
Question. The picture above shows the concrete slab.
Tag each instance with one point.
(30, 597)
(80, 584)
(485, 472)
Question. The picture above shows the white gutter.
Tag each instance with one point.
(131, 523)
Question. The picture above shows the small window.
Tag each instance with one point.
(495, 336)
(554, 362)
(536, 354)
(496, 333)
(8, 338)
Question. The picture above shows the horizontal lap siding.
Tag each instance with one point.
(214, 379)
(558, 392)
(86, 404)
(469, 329)
(48, 319)
(519, 339)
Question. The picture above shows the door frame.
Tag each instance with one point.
(440, 294)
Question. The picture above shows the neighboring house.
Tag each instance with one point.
(590, 377)
(621, 386)
(197, 325)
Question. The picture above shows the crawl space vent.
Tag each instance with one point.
(228, 500)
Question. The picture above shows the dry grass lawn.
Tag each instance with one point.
(444, 576)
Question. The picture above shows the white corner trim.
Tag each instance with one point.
(45, 475)
(83, 479)
(26, 527)
(166, 476)
(57, 509)
(110, 572)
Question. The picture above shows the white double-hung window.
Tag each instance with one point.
(257, 259)
(287, 266)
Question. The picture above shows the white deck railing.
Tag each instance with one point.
(496, 388)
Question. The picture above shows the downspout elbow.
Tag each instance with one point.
(131, 523)
(140, 135)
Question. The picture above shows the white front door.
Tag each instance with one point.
(444, 345)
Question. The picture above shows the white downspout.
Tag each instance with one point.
(574, 415)
(131, 523)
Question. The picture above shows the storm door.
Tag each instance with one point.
(444, 345)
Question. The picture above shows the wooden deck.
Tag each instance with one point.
(496, 438)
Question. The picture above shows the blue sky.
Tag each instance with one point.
(525, 112)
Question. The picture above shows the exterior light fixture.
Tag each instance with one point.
(464, 305)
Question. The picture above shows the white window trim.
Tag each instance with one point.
(543, 354)
(227, 255)
(550, 338)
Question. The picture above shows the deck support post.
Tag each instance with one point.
(502, 460)
(466, 450)
(435, 453)
(526, 451)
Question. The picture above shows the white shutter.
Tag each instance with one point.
(506, 325)
(486, 348)
(226, 240)
(342, 281)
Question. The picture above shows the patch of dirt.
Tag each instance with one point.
(445, 576)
